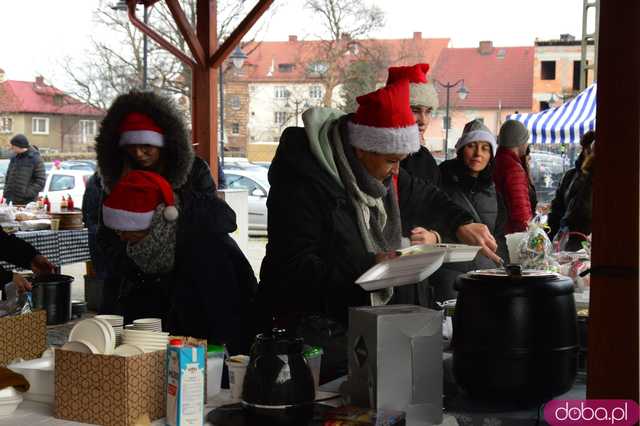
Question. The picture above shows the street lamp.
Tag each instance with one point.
(237, 59)
(463, 92)
(122, 6)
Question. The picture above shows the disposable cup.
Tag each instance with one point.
(55, 224)
(215, 361)
(314, 360)
(513, 245)
(237, 366)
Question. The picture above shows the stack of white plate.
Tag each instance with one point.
(93, 335)
(9, 400)
(148, 341)
(148, 324)
(117, 322)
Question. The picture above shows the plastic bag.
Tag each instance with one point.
(536, 250)
(15, 303)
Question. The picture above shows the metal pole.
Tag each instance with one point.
(145, 47)
(446, 125)
(221, 86)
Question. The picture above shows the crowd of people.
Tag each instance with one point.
(347, 191)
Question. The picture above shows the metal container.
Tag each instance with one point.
(53, 293)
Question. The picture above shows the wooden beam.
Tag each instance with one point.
(157, 37)
(236, 36)
(612, 357)
(204, 94)
(185, 28)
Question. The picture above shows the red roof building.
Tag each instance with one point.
(46, 115)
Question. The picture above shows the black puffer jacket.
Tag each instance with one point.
(25, 178)
(489, 209)
(315, 252)
(422, 165)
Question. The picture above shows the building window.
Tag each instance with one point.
(544, 105)
(315, 92)
(318, 68)
(234, 102)
(6, 124)
(280, 117)
(576, 75)
(285, 67)
(281, 92)
(40, 126)
(235, 128)
(548, 70)
(87, 130)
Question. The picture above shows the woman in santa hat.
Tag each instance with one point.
(145, 131)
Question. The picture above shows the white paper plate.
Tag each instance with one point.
(148, 321)
(81, 346)
(455, 252)
(94, 332)
(114, 320)
(112, 335)
(128, 350)
(8, 393)
(402, 270)
(132, 332)
(8, 406)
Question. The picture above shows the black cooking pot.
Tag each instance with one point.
(53, 293)
(278, 385)
(515, 337)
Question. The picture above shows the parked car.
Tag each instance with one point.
(66, 182)
(256, 183)
(4, 165)
(89, 165)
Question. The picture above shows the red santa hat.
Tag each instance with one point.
(139, 129)
(384, 122)
(421, 92)
(132, 203)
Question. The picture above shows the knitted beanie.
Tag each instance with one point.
(512, 134)
(476, 131)
(20, 141)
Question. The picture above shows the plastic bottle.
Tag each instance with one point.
(47, 204)
(69, 202)
(63, 203)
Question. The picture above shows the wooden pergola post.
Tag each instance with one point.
(205, 58)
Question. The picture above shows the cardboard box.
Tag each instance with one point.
(395, 360)
(23, 336)
(109, 390)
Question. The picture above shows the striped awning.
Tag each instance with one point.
(564, 124)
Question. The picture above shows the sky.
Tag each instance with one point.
(36, 36)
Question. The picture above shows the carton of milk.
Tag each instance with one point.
(185, 385)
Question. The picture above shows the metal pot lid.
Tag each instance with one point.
(504, 273)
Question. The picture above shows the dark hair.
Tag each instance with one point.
(588, 138)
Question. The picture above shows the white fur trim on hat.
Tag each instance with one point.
(423, 94)
(142, 137)
(477, 136)
(384, 140)
(123, 220)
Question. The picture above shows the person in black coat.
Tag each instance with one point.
(91, 204)
(20, 253)
(423, 99)
(189, 271)
(26, 175)
(334, 212)
(146, 116)
(468, 181)
(571, 207)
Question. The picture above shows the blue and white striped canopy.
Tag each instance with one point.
(564, 124)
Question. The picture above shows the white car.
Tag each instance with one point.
(66, 182)
(257, 184)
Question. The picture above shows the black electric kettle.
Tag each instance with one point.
(278, 383)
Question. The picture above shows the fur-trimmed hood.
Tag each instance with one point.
(177, 152)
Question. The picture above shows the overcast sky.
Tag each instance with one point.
(36, 35)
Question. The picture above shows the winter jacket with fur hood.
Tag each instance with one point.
(512, 184)
(25, 178)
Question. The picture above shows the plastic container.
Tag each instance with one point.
(40, 374)
(313, 356)
(215, 362)
(237, 366)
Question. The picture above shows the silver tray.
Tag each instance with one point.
(455, 252)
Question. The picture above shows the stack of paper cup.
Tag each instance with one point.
(513, 245)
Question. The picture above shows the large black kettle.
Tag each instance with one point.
(515, 335)
(278, 383)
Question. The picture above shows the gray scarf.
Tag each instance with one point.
(375, 204)
(155, 253)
